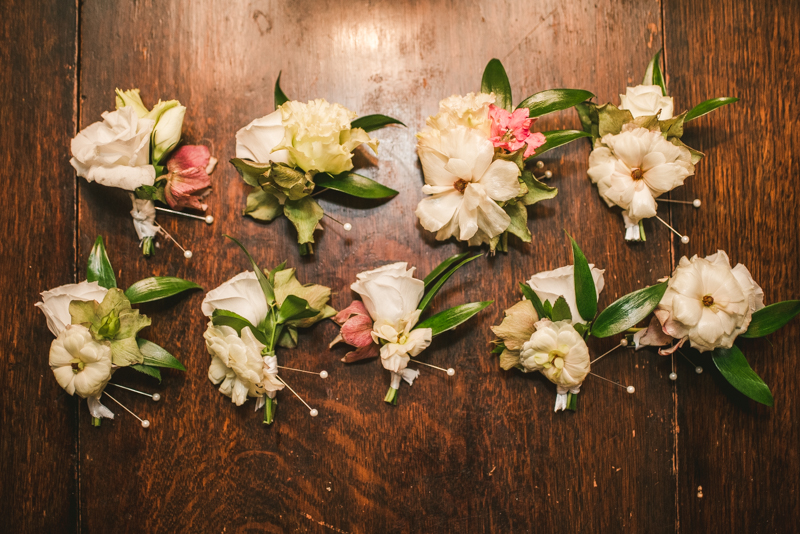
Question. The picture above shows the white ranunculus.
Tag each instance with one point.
(559, 352)
(549, 285)
(257, 141)
(55, 303)
(236, 365)
(318, 136)
(116, 151)
(391, 295)
(167, 131)
(634, 167)
(80, 364)
(647, 100)
(241, 295)
(470, 111)
(465, 185)
(708, 302)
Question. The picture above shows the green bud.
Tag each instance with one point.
(109, 326)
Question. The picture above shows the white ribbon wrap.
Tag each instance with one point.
(144, 217)
(406, 374)
(561, 397)
(97, 409)
(632, 230)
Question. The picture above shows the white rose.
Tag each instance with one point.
(241, 295)
(559, 352)
(257, 141)
(647, 100)
(634, 167)
(116, 151)
(236, 362)
(318, 136)
(709, 302)
(470, 111)
(550, 285)
(464, 185)
(55, 303)
(167, 131)
(391, 295)
(80, 364)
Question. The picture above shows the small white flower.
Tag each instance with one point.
(241, 295)
(465, 186)
(116, 151)
(236, 365)
(634, 167)
(549, 285)
(647, 100)
(559, 352)
(709, 302)
(55, 303)
(80, 364)
(257, 141)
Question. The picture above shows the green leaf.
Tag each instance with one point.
(252, 173)
(288, 338)
(125, 352)
(294, 308)
(734, 367)
(149, 371)
(561, 311)
(429, 294)
(673, 127)
(156, 356)
(585, 290)
(548, 309)
(237, 322)
(158, 287)
(572, 401)
(554, 100)
(443, 266)
(770, 318)
(628, 310)
(370, 123)
(531, 295)
(266, 287)
(519, 220)
(99, 268)
(152, 192)
(304, 215)
(537, 191)
(653, 74)
(262, 206)
(587, 113)
(280, 97)
(449, 319)
(495, 80)
(708, 106)
(354, 185)
(610, 119)
(557, 138)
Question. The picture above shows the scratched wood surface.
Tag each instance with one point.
(480, 452)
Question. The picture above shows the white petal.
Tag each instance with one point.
(256, 140)
(241, 295)
(481, 211)
(436, 211)
(500, 180)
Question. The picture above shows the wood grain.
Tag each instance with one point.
(38, 439)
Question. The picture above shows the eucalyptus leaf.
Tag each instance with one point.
(451, 318)
(495, 80)
(557, 138)
(653, 74)
(585, 290)
(266, 287)
(770, 318)
(734, 367)
(561, 311)
(628, 310)
(354, 185)
(147, 370)
(430, 293)
(99, 268)
(708, 106)
(304, 215)
(158, 287)
(554, 100)
(156, 356)
(531, 295)
(442, 267)
(280, 97)
(370, 123)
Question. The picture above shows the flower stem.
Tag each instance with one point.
(641, 231)
(269, 411)
(147, 247)
(96, 421)
(572, 401)
(306, 249)
(391, 396)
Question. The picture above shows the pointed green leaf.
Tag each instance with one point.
(251, 172)
(585, 290)
(561, 311)
(708, 106)
(627, 311)
(610, 119)
(262, 206)
(294, 308)
(99, 268)
(495, 80)
(557, 138)
(354, 184)
(653, 74)
(158, 287)
(125, 352)
(370, 123)
(288, 338)
(280, 97)
(518, 225)
(531, 295)
(266, 287)
(554, 100)
(304, 215)
(587, 113)
(537, 191)
(429, 294)
(770, 318)
(449, 319)
(237, 322)
(734, 367)
(442, 267)
(156, 356)
(147, 370)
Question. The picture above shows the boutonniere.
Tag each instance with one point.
(97, 332)
(386, 321)
(637, 151)
(709, 304)
(299, 151)
(250, 316)
(137, 150)
(475, 155)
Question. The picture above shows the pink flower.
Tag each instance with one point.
(356, 331)
(187, 180)
(512, 131)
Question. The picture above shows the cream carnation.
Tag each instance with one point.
(470, 111)
(236, 363)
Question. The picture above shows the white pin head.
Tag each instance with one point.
(540, 164)
(696, 203)
(630, 389)
(209, 219)
(451, 372)
(673, 376)
(187, 254)
(313, 412)
(347, 227)
(548, 174)
(156, 397)
(698, 369)
(623, 342)
(685, 239)
(145, 424)
(323, 374)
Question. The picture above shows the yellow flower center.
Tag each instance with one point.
(77, 365)
(460, 185)
(637, 174)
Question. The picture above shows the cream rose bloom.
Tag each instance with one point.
(470, 111)
(549, 285)
(80, 364)
(391, 295)
(257, 141)
(465, 186)
(167, 131)
(55, 303)
(318, 136)
(708, 302)
(241, 295)
(634, 167)
(116, 151)
(236, 363)
(559, 352)
(647, 100)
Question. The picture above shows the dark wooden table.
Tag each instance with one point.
(482, 452)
